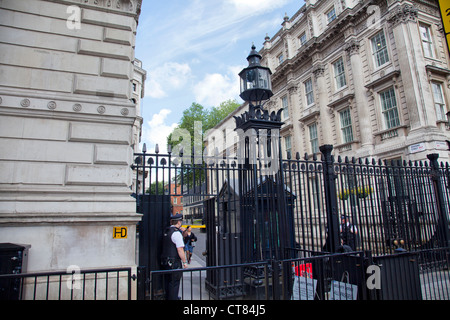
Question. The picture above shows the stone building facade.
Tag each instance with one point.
(369, 77)
(68, 127)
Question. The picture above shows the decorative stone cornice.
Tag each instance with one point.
(127, 6)
(402, 14)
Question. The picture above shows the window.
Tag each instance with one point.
(389, 108)
(427, 43)
(309, 92)
(280, 58)
(313, 138)
(331, 15)
(346, 126)
(439, 102)
(285, 105)
(339, 73)
(379, 49)
(288, 145)
(302, 39)
(134, 87)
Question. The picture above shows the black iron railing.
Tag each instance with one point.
(325, 206)
(74, 284)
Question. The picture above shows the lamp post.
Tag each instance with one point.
(266, 224)
(255, 80)
(260, 148)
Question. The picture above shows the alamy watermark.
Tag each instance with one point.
(74, 282)
(73, 22)
(374, 280)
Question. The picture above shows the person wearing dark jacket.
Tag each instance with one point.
(189, 239)
(172, 256)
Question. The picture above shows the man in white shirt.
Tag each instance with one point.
(172, 256)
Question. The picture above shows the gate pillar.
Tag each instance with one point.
(330, 199)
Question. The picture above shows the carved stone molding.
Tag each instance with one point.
(77, 107)
(318, 71)
(51, 105)
(292, 90)
(25, 103)
(352, 47)
(402, 14)
(124, 112)
(101, 109)
(132, 6)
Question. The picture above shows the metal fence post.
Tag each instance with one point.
(443, 223)
(329, 178)
(141, 280)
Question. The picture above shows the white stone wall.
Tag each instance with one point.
(66, 131)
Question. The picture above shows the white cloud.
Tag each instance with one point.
(251, 7)
(216, 88)
(166, 78)
(156, 131)
(202, 25)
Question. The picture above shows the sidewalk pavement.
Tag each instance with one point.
(196, 262)
(193, 283)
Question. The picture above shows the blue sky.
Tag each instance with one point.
(193, 51)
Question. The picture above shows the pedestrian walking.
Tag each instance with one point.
(189, 243)
(172, 256)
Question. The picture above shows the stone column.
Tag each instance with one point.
(366, 137)
(321, 87)
(402, 20)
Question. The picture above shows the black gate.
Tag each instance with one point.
(155, 218)
(251, 217)
(261, 210)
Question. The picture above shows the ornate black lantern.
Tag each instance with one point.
(255, 80)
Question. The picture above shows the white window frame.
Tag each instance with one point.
(427, 40)
(345, 117)
(340, 79)
(280, 58)
(380, 50)
(302, 39)
(309, 92)
(313, 137)
(331, 15)
(288, 144)
(285, 106)
(439, 101)
(389, 108)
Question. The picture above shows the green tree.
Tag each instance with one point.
(208, 118)
(154, 185)
(217, 114)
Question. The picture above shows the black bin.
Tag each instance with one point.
(13, 260)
